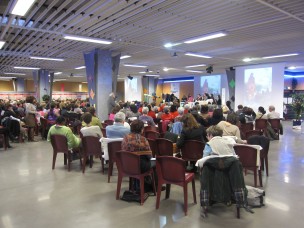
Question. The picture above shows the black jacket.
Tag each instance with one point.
(198, 134)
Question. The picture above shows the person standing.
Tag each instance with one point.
(30, 116)
(111, 102)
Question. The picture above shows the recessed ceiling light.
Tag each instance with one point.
(79, 68)
(165, 69)
(198, 55)
(46, 58)
(27, 68)
(292, 68)
(125, 56)
(200, 65)
(169, 45)
(56, 73)
(87, 39)
(195, 71)
(247, 59)
(135, 65)
(2, 43)
(21, 7)
(205, 37)
(279, 56)
(16, 73)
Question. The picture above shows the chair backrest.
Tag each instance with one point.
(91, 145)
(109, 122)
(152, 134)
(192, 150)
(153, 146)
(113, 147)
(164, 147)
(252, 132)
(104, 133)
(150, 128)
(246, 127)
(128, 163)
(171, 169)
(275, 123)
(261, 140)
(260, 124)
(247, 155)
(59, 143)
(103, 125)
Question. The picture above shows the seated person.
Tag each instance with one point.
(60, 129)
(118, 130)
(145, 118)
(217, 145)
(88, 129)
(95, 121)
(272, 113)
(261, 113)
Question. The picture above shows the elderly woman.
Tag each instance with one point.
(30, 116)
(135, 142)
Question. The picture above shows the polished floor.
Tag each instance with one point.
(33, 195)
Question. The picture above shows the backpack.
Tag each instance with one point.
(255, 197)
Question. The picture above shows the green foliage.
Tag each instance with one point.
(298, 104)
(45, 97)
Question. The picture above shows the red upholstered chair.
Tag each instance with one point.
(150, 128)
(164, 147)
(151, 134)
(172, 170)
(248, 158)
(128, 165)
(113, 147)
(104, 133)
(103, 125)
(60, 145)
(153, 146)
(252, 132)
(4, 137)
(91, 147)
(261, 124)
(244, 128)
(192, 150)
(276, 125)
(109, 122)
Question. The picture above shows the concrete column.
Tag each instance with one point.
(42, 83)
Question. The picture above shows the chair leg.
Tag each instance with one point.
(54, 159)
(255, 177)
(158, 194)
(260, 178)
(142, 190)
(168, 187)
(153, 183)
(119, 180)
(65, 159)
(193, 190)
(238, 212)
(185, 198)
(110, 170)
(91, 161)
(266, 164)
(84, 163)
(69, 161)
(102, 164)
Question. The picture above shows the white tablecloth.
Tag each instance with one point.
(104, 145)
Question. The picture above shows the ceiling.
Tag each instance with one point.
(255, 28)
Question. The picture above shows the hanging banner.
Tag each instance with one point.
(91, 79)
(175, 88)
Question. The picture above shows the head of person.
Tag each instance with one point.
(133, 108)
(189, 122)
(87, 118)
(166, 109)
(173, 108)
(225, 109)
(214, 131)
(149, 107)
(112, 95)
(218, 114)
(271, 108)
(204, 109)
(145, 110)
(116, 109)
(180, 111)
(30, 99)
(187, 106)
(232, 118)
(240, 107)
(119, 117)
(261, 110)
(60, 120)
(92, 111)
(137, 126)
(228, 104)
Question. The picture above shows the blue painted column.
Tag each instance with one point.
(42, 83)
(20, 85)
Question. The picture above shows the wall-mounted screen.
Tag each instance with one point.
(210, 84)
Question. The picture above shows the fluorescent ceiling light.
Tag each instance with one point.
(198, 55)
(87, 39)
(165, 69)
(169, 45)
(79, 68)
(200, 65)
(7, 78)
(125, 56)
(16, 73)
(143, 72)
(56, 73)
(27, 68)
(152, 75)
(2, 43)
(46, 58)
(84, 82)
(205, 37)
(195, 71)
(292, 68)
(247, 60)
(21, 7)
(186, 80)
(279, 56)
(135, 65)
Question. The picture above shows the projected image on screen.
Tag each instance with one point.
(258, 84)
(211, 84)
(132, 85)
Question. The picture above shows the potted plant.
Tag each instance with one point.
(298, 107)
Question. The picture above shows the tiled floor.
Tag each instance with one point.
(34, 195)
